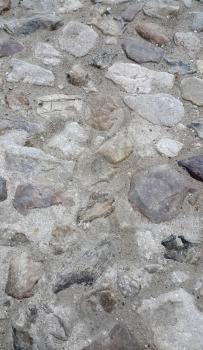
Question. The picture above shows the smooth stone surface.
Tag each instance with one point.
(30, 74)
(182, 328)
(189, 41)
(160, 109)
(192, 90)
(47, 54)
(197, 23)
(169, 147)
(135, 79)
(107, 25)
(158, 193)
(194, 166)
(77, 39)
(152, 32)
(10, 47)
(161, 8)
(23, 274)
(130, 12)
(141, 51)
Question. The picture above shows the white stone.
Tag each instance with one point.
(136, 79)
(69, 5)
(47, 54)
(169, 147)
(179, 277)
(175, 320)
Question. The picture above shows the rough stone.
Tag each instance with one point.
(197, 23)
(135, 79)
(130, 12)
(192, 90)
(5, 5)
(197, 125)
(47, 54)
(152, 32)
(23, 274)
(96, 210)
(10, 47)
(30, 74)
(31, 197)
(161, 8)
(77, 76)
(169, 147)
(189, 41)
(199, 64)
(160, 109)
(77, 39)
(117, 149)
(194, 166)
(158, 193)
(3, 189)
(107, 25)
(141, 51)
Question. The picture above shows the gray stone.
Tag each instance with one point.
(169, 147)
(37, 5)
(10, 47)
(197, 23)
(136, 79)
(5, 5)
(48, 54)
(29, 25)
(3, 189)
(158, 193)
(23, 274)
(161, 8)
(189, 41)
(194, 166)
(160, 109)
(31, 197)
(179, 67)
(30, 74)
(107, 25)
(130, 12)
(197, 125)
(141, 51)
(182, 328)
(192, 90)
(77, 39)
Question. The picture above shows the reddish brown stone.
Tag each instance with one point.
(152, 32)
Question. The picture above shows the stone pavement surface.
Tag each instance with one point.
(101, 128)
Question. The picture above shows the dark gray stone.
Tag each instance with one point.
(3, 189)
(142, 51)
(194, 166)
(10, 47)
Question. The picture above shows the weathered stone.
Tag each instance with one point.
(130, 12)
(102, 112)
(179, 67)
(10, 47)
(69, 6)
(77, 76)
(48, 54)
(64, 237)
(194, 166)
(30, 74)
(29, 25)
(71, 141)
(141, 51)
(17, 102)
(197, 125)
(5, 5)
(152, 32)
(189, 41)
(197, 23)
(160, 109)
(158, 193)
(107, 25)
(135, 79)
(182, 329)
(161, 8)
(192, 90)
(3, 189)
(96, 210)
(77, 39)
(37, 5)
(199, 64)
(117, 149)
(128, 285)
(119, 338)
(169, 147)
(31, 197)
(107, 300)
(102, 61)
(23, 274)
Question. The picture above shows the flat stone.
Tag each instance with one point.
(199, 64)
(3, 189)
(109, 2)
(5, 5)
(136, 79)
(116, 149)
(197, 23)
(130, 12)
(119, 338)
(182, 329)
(194, 166)
(10, 47)
(31, 197)
(152, 32)
(37, 5)
(189, 41)
(30, 74)
(29, 25)
(141, 51)
(197, 125)
(71, 141)
(169, 147)
(192, 90)
(96, 210)
(77, 39)
(161, 8)
(160, 109)
(107, 25)
(23, 274)
(78, 76)
(179, 67)
(69, 6)
(158, 193)
(47, 54)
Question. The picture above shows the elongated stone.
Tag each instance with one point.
(141, 51)
(194, 166)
